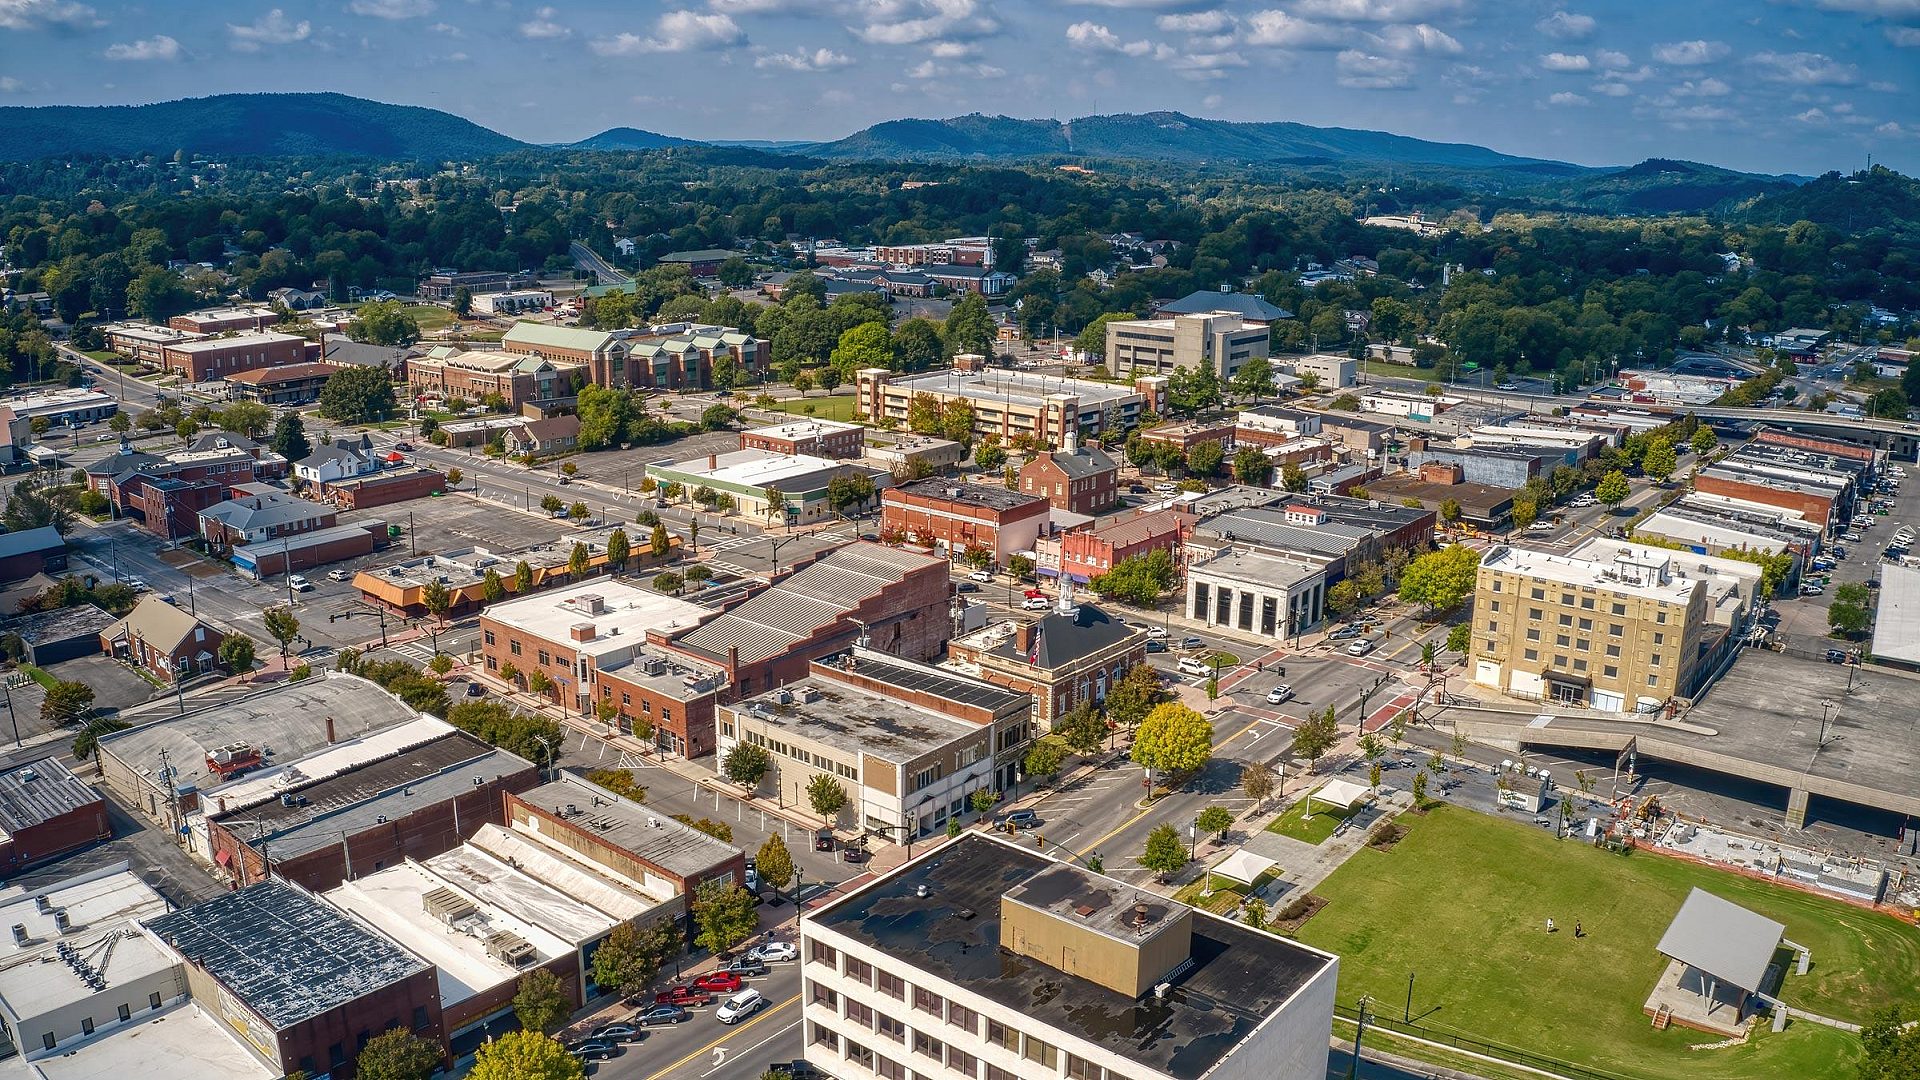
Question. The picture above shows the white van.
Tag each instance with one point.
(1192, 666)
(740, 1006)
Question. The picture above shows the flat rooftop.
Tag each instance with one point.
(1238, 977)
(872, 664)
(1257, 568)
(648, 834)
(987, 496)
(286, 954)
(264, 785)
(343, 774)
(236, 340)
(620, 615)
(1613, 574)
(521, 896)
(800, 604)
(42, 791)
(599, 887)
(853, 720)
(795, 474)
(1896, 628)
(387, 791)
(99, 905)
(183, 1042)
(801, 429)
(285, 722)
(392, 901)
(1025, 388)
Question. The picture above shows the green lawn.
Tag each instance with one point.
(39, 675)
(821, 408)
(1400, 371)
(430, 317)
(1226, 893)
(1462, 901)
(1309, 829)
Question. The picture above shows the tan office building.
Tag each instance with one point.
(1617, 635)
(1157, 346)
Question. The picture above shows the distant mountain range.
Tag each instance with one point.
(335, 124)
(247, 125)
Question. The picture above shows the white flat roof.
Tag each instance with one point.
(182, 1043)
(98, 905)
(1613, 576)
(1688, 530)
(800, 429)
(626, 615)
(392, 900)
(756, 468)
(258, 337)
(1896, 628)
(493, 882)
(258, 787)
(596, 886)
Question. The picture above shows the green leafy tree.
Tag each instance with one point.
(849, 491)
(67, 702)
(436, 598)
(619, 550)
(668, 582)
(1891, 1046)
(526, 1055)
(579, 562)
(659, 542)
(290, 437)
(1254, 379)
(827, 796)
(1083, 728)
(746, 764)
(523, 577)
(631, 957)
(1460, 638)
(539, 682)
(454, 476)
(1851, 609)
(725, 914)
(1205, 459)
(249, 418)
(1214, 819)
(1256, 780)
(775, 862)
(1316, 735)
(282, 626)
(1660, 462)
(1093, 340)
(1165, 853)
(463, 301)
(1612, 489)
(236, 652)
(119, 423)
(357, 395)
(1173, 739)
(1293, 478)
(1250, 466)
(1440, 580)
(1704, 440)
(969, 329)
(397, 1054)
(384, 322)
(1044, 759)
(1129, 702)
(864, 346)
(990, 456)
(541, 1003)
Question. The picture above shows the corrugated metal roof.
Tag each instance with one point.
(40, 792)
(558, 337)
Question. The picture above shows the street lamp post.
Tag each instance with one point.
(1407, 1016)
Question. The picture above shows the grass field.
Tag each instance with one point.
(1311, 829)
(820, 408)
(1462, 901)
(1400, 371)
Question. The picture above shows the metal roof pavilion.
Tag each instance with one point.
(1722, 939)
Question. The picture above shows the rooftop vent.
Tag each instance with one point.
(511, 949)
(447, 906)
(62, 921)
(19, 935)
(921, 891)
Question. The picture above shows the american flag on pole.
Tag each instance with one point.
(1033, 649)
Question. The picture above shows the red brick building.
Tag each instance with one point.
(380, 489)
(289, 384)
(47, 812)
(1816, 504)
(818, 438)
(608, 831)
(219, 357)
(667, 695)
(952, 517)
(163, 640)
(225, 320)
(1086, 554)
(1080, 479)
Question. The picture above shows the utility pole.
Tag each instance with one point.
(8, 689)
(1359, 1030)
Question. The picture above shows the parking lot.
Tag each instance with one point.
(1804, 619)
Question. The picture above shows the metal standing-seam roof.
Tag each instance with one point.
(1722, 939)
(41, 792)
(772, 621)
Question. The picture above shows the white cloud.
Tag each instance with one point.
(765, 7)
(545, 26)
(1094, 37)
(1279, 30)
(1204, 65)
(1418, 38)
(1612, 59)
(1195, 22)
(392, 9)
(448, 29)
(1565, 62)
(1805, 69)
(1697, 114)
(1890, 128)
(1812, 116)
(11, 85)
(1612, 89)
(1884, 87)
(676, 31)
(157, 47)
(1376, 10)
(273, 28)
(1358, 70)
(1567, 26)
(1131, 4)
(1212, 101)
(952, 50)
(61, 14)
(1703, 88)
(1565, 97)
(1690, 53)
(1907, 37)
(802, 60)
(914, 22)
(1891, 9)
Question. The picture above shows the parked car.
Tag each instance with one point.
(1279, 694)
(1156, 631)
(1019, 819)
(1156, 645)
(740, 1006)
(686, 995)
(616, 1033)
(1345, 632)
(1190, 643)
(406, 447)
(981, 576)
(747, 967)
(661, 1014)
(299, 583)
(1836, 656)
(1851, 537)
(718, 982)
(801, 1070)
(1360, 647)
(1036, 594)
(776, 952)
(1542, 527)
(1036, 603)
(966, 586)
(1812, 590)
(137, 584)
(594, 1051)
(1192, 666)
(339, 575)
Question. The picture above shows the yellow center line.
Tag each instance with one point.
(731, 1033)
(1122, 827)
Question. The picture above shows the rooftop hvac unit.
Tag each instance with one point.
(19, 935)
(510, 948)
(41, 904)
(447, 906)
(807, 694)
(654, 665)
(62, 921)
(782, 697)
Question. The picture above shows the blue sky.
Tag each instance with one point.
(1768, 85)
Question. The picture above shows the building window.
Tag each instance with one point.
(962, 1062)
(892, 1070)
(891, 1026)
(1586, 625)
(859, 1055)
(86, 1025)
(513, 647)
(1659, 639)
(1042, 1052)
(824, 1036)
(825, 995)
(153, 1000)
(1654, 661)
(1653, 680)
(1586, 602)
(1579, 665)
(1533, 634)
(821, 953)
(1534, 614)
(1565, 619)
(1619, 609)
(1560, 640)
(1493, 626)
(891, 985)
(859, 971)
(928, 1045)
(1002, 1035)
(995, 1072)
(859, 1014)
(962, 1017)
(928, 1002)
(1533, 654)
(1081, 1069)
(1616, 629)
(126, 1012)
(1538, 594)
(47, 1040)
(1610, 672)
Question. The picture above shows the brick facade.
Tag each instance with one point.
(1814, 507)
(927, 512)
(216, 358)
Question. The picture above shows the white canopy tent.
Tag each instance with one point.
(1341, 793)
(1243, 866)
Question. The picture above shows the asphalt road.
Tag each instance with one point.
(703, 1047)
